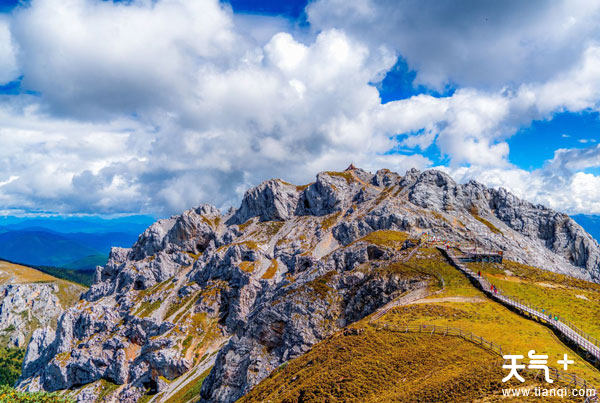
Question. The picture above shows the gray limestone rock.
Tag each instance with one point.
(290, 276)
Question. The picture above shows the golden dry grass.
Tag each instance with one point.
(387, 366)
(14, 273)
(574, 299)
(68, 292)
(489, 319)
(386, 238)
(384, 366)
(271, 270)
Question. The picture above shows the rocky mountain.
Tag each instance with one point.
(222, 300)
(30, 299)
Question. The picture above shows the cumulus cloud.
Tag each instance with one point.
(156, 106)
(95, 59)
(561, 183)
(472, 125)
(470, 43)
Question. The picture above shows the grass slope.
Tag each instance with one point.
(486, 318)
(383, 366)
(380, 365)
(11, 273)
(573, 299)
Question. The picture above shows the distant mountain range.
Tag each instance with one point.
(82, 243)
(73, 243)
(590, 223)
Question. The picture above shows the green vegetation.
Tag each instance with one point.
(146, 308)
(320, 286)
(345, 174)
(87, 263)
(83, 277)
(106, 388)
(270, 228)
(11, 395)
(10, 365)
(190, 391)
(245, 225)
(386, 238)
(485, 222)
(330, 220)
(176, 306)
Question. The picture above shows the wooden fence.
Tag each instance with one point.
(572, 333)
(567, 379)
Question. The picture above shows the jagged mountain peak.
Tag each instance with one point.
(263, 283)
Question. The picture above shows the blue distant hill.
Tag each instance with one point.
(590, 223)
(79, 243)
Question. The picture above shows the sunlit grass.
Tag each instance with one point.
(573, 299)
(381, 366)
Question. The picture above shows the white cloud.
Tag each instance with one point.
(560, 184)
(94, 58)
(474, 43)
(158, 106)
(8, 64)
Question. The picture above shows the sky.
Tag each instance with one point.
(156, 106)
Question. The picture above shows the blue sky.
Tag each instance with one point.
(153, 107)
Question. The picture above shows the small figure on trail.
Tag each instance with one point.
(556, 318)
(479, 273)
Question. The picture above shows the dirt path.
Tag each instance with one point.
(449, 299)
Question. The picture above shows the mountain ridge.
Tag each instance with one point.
(262, 284)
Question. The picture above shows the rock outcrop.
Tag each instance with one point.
(25, 305)
(30, 299)
(246, 291)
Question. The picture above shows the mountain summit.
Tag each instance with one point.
(227, 299)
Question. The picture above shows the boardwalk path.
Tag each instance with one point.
(578, 338)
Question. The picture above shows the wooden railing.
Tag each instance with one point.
(556, 375)
(572, 333)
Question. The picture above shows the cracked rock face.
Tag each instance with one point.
(23, 306)
(246, 291)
